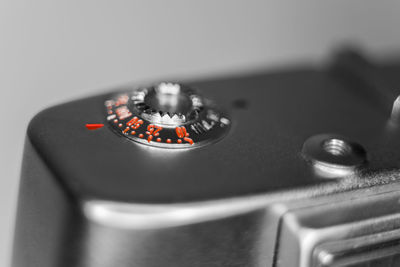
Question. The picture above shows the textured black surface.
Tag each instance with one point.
(260, 154)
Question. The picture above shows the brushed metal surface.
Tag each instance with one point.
(92, 198)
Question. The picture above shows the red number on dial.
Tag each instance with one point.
(153, 130)
(134, 123)
(182, 133)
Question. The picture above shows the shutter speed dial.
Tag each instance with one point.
(168, 115)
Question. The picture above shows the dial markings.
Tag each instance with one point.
(141, 117)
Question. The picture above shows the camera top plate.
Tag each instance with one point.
(271, 115)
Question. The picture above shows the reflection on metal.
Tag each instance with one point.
(333, 155)
(151, 216)
(395, 117)
(335, 233)
(380, 249)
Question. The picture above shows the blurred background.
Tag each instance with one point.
(54, 51)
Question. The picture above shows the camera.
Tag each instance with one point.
(287, 168)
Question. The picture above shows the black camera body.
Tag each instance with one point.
(289, 168)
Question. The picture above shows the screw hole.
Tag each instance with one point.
(337, 147)
(240, 103)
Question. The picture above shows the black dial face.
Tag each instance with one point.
(167, 115)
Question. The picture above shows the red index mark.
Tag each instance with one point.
(94, 126)
(189, 140)
(126, 130)
(182, 133)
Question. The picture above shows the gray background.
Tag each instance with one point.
(53, 51)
